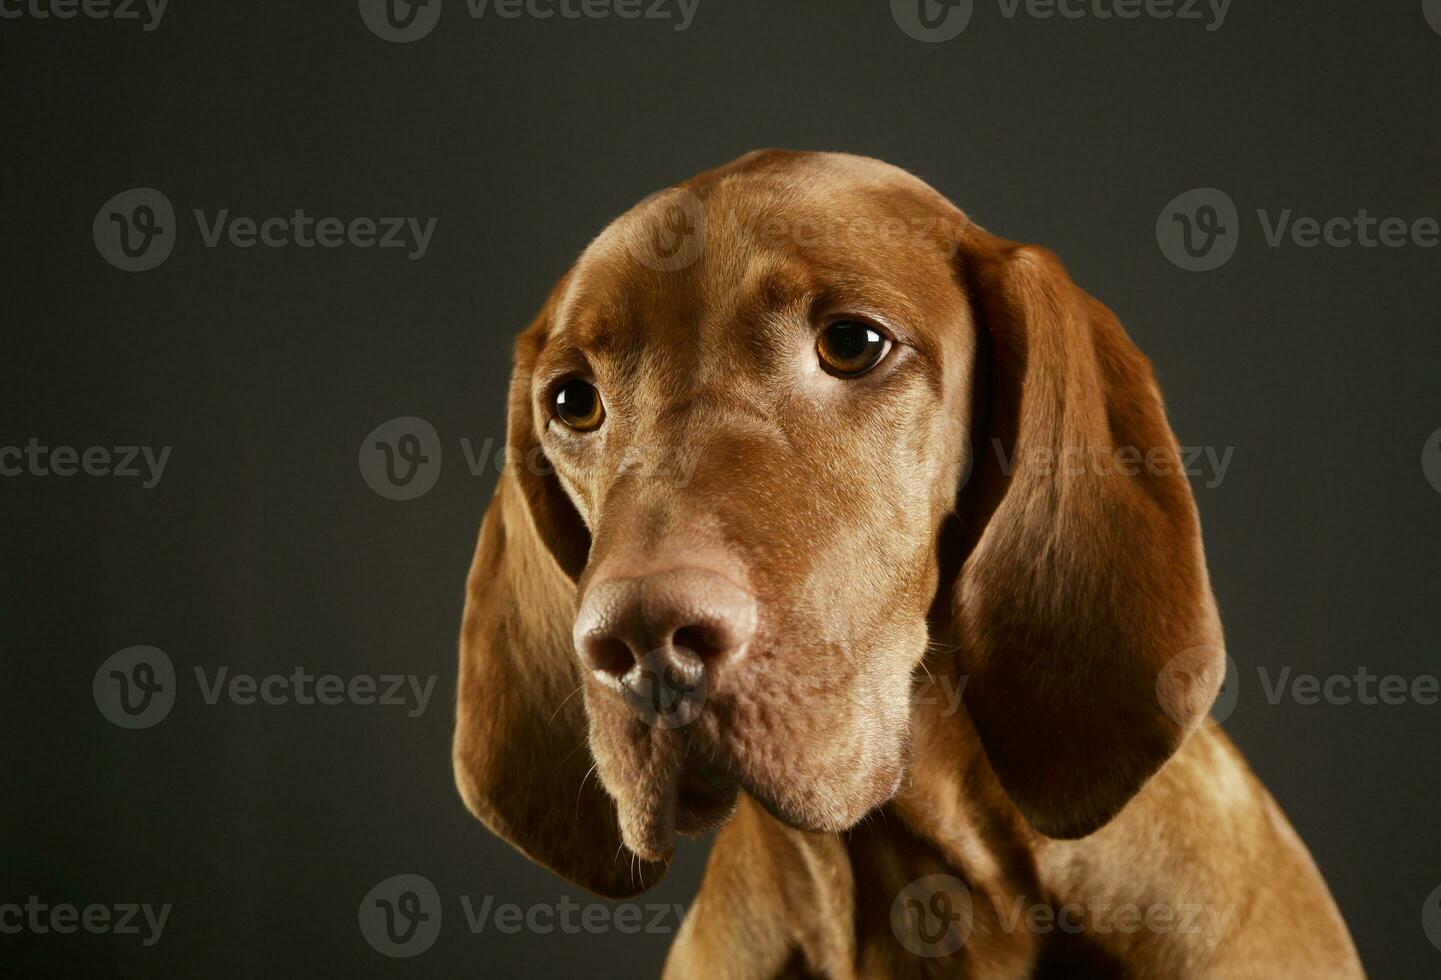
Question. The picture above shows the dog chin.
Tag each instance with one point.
(697, 802)
(704, 800)
(824, 813)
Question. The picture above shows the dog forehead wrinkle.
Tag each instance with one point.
(581, 281)
(611, 296)
(605, 326)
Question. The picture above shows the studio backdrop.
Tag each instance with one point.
(263, 264)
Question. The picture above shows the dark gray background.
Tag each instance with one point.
(263, 549)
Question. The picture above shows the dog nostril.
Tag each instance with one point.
(699, 640)
(610, 655)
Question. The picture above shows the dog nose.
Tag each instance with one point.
(670, 630)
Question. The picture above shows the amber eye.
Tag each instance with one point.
(850, 348)
(578, 405)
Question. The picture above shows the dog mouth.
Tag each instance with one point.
(698, 792)
(705, 799)
(688, 797)
(815, 758)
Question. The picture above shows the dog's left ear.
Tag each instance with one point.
(1087, 578)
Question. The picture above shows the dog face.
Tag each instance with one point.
(740, 443)
(776, 439)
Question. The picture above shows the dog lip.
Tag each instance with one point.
(649, 830)
(706, 799)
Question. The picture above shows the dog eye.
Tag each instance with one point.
(850, 348)
(578, 405)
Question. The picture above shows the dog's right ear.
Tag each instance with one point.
(522, 762)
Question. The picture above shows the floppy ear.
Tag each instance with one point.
(521, 759)
(1088, 577)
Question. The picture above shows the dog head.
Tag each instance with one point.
(749, 486)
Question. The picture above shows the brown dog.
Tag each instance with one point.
(797, 457)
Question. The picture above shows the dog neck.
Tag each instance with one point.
(952, 802)
(951, 817)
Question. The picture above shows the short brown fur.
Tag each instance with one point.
(942, 525)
